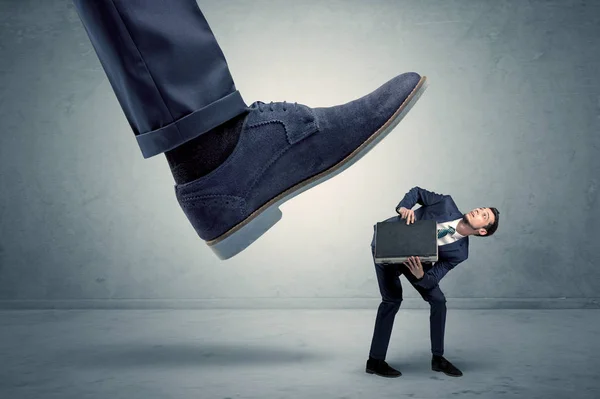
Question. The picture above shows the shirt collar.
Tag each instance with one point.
(454, 224)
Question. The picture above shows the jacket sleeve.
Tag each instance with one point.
(420, 196)
(436, 273)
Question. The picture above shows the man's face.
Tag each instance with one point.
(478, 218)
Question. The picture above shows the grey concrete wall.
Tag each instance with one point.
(513, 106)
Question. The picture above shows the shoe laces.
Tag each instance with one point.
(261, 105)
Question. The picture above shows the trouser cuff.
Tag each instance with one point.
(191, 126)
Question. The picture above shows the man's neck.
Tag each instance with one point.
(462, 229)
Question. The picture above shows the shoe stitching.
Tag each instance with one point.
(220, 199)
(287, 133)
(273, 159)
(242, 207)
(311, 127)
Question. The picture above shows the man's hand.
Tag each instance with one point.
(415, 267)
(407, 214)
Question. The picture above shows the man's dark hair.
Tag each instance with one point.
(492, 227)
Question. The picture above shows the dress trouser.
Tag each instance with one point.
(388, 278)
(165, 67)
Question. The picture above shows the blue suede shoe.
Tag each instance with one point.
(283, 150)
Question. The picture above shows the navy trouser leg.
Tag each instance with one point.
(165, 67)
(437, 317)
(390, 288)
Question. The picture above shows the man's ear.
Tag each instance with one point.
(482, 232)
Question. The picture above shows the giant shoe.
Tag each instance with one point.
(285, 149)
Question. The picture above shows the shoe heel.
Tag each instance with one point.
(246, 235)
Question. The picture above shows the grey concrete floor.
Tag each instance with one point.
(293, 354)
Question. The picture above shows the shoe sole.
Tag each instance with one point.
(382, 375)
(239, 237)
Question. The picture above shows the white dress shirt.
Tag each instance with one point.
(448, 238)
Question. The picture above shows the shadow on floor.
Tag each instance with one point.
(173, 355)
(466, 362)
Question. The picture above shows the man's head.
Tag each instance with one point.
(482, 222)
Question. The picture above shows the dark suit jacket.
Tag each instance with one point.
(440, 208)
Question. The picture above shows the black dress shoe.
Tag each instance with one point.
(380, 367)
(439, 363)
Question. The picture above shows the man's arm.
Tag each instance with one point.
(435, 274)
(417, 195)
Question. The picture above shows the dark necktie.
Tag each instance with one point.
(442, 232)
